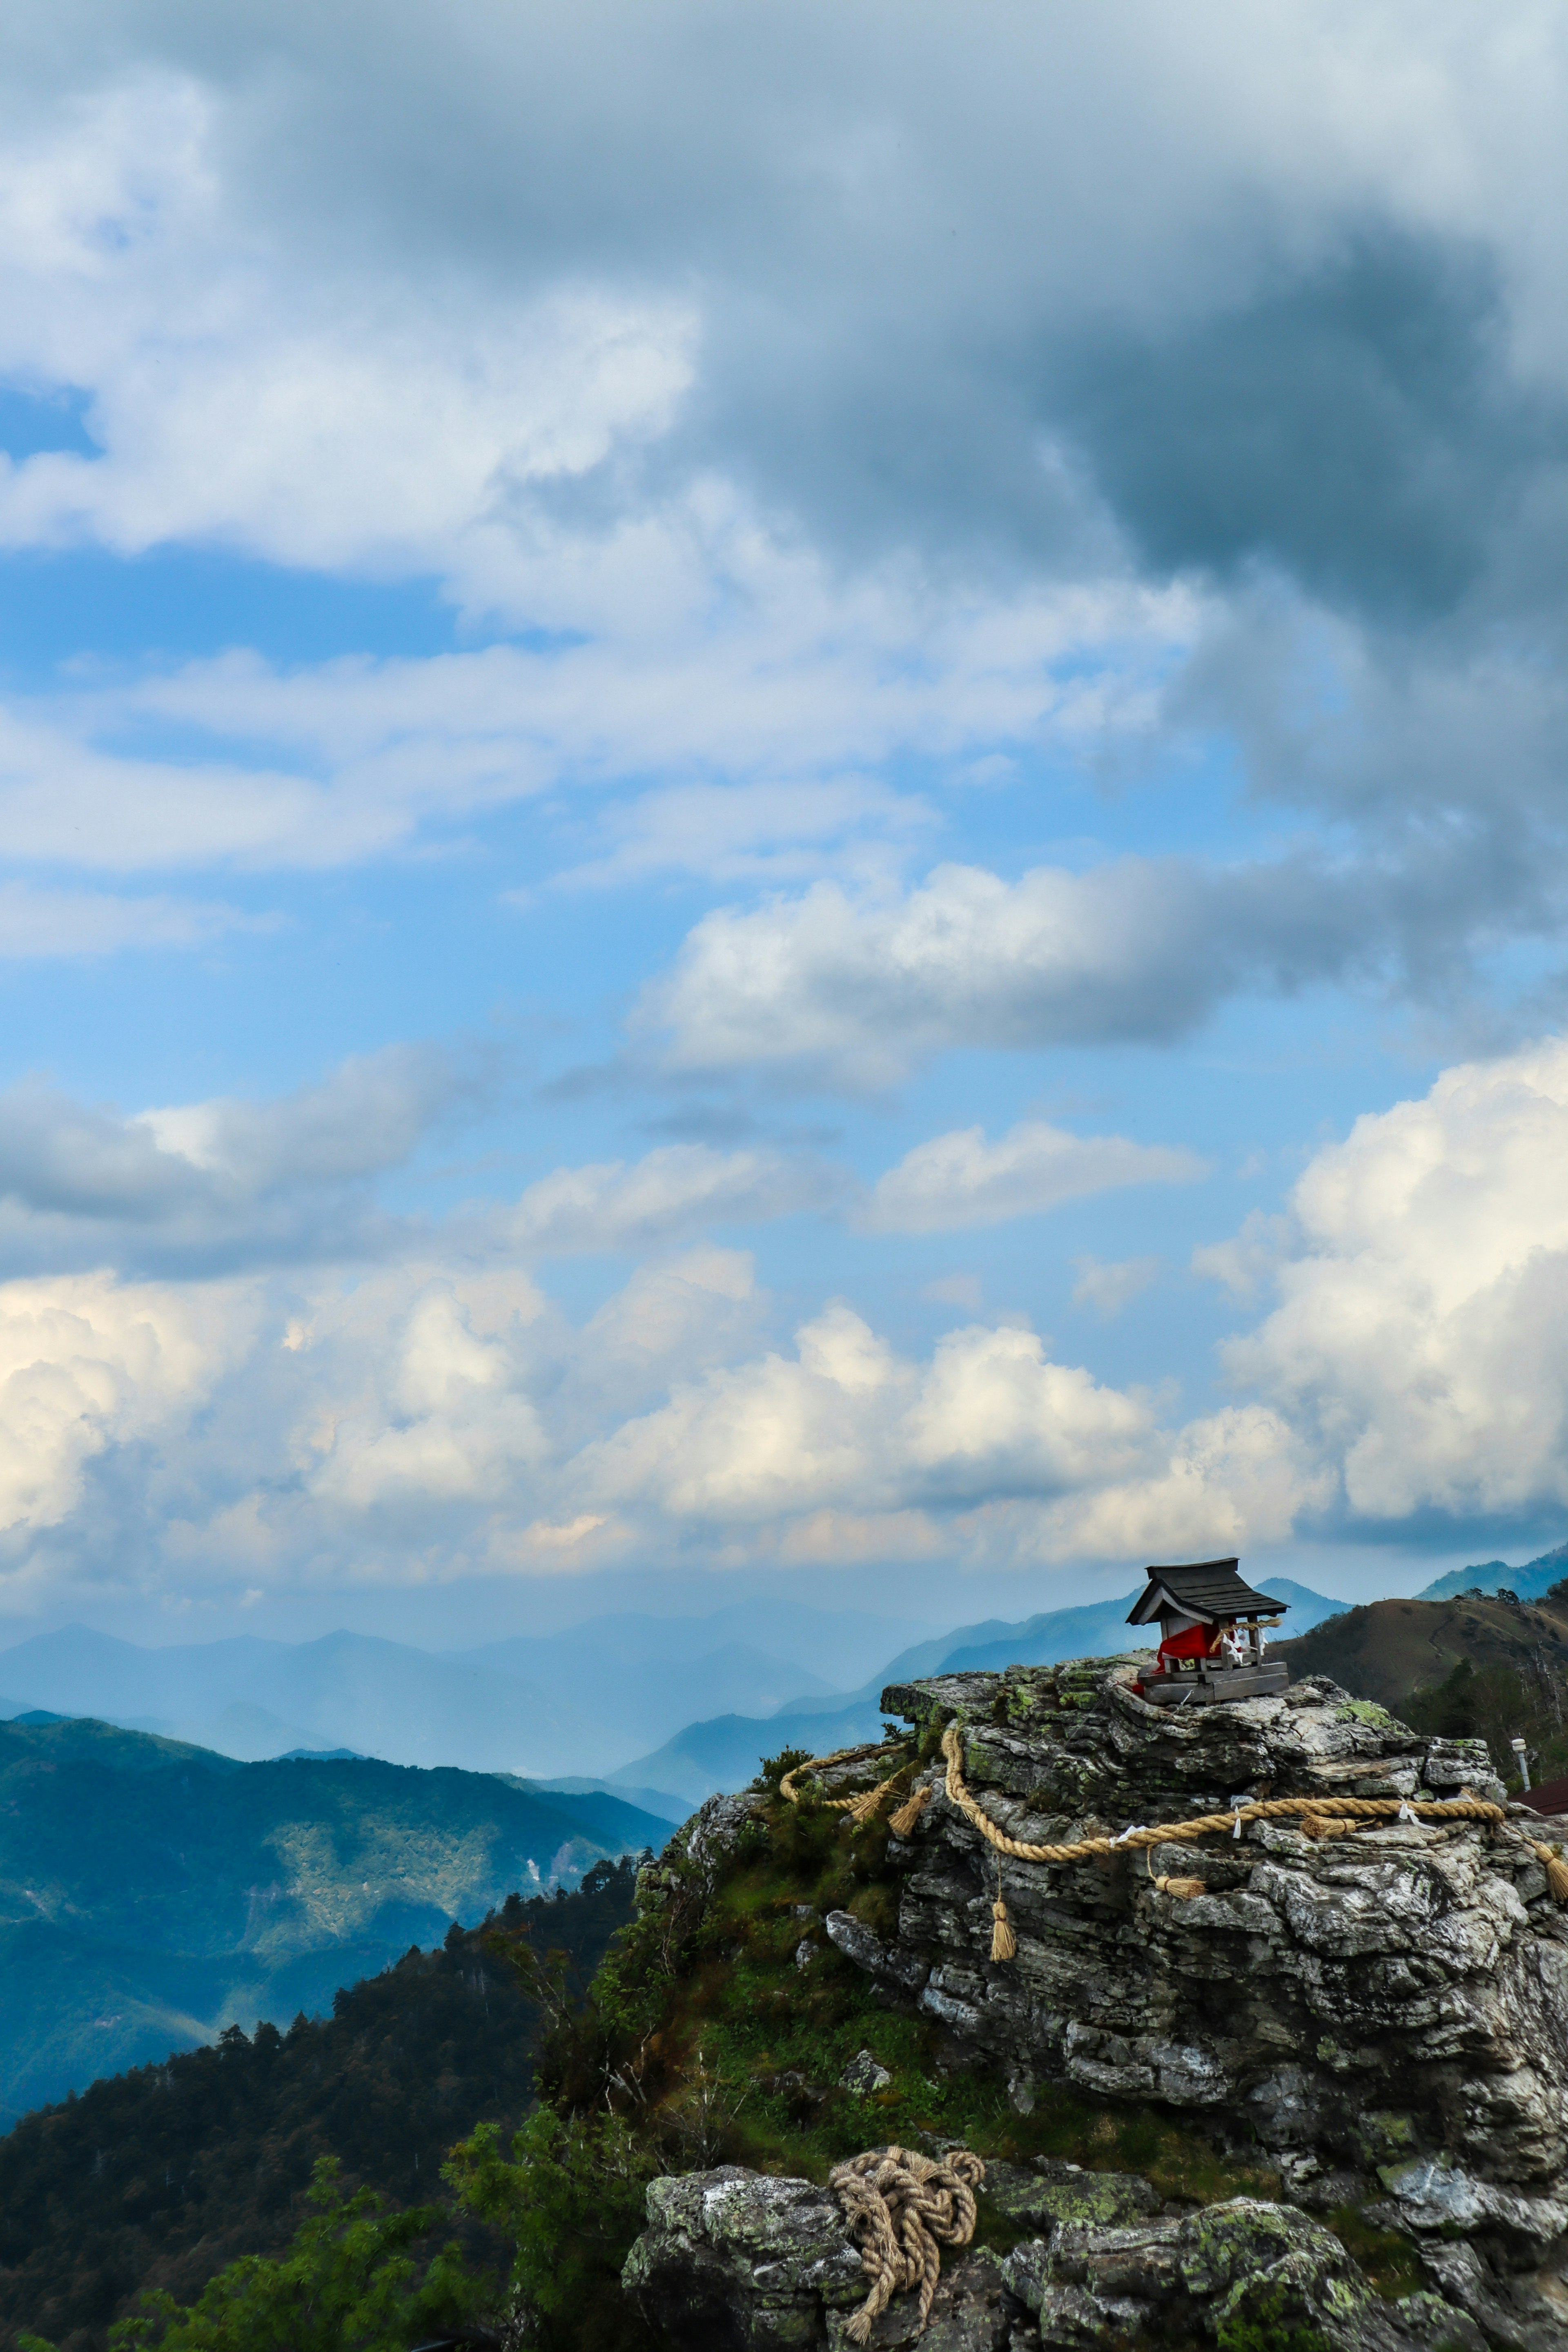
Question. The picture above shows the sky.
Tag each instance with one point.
(782, 805)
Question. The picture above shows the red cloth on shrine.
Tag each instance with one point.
(1197, 1642)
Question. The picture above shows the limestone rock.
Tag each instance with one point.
(863, 2076)
(717, 1828)
(1393, 1995)
(1050, 2196)
(734, 2261)
(1232, 2267)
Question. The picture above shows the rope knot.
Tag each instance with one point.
(903, 2207)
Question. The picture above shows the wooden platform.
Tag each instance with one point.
(1216, 1686)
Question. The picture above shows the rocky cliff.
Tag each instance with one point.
(1377, 2018)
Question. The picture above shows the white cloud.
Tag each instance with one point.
(436, 1415)
(1420, 1344)
(1108, 1289)
(1019, 1457)
(763, 831)
(669, 1192)
(224, 1182)
(238, 398)
(88, 1364)
(962, 1179)
(781, 703)
(435, 1411)
(37, 922)
(855, 991)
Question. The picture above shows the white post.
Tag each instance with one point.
(1518, 1748)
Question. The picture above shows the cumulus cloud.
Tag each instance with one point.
(853, 992)
(1419, 1341)
(88, 1364)
(962, 1179)
(432, 1415)
(1019, 1457)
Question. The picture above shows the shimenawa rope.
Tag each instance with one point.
(1319, 1817)
(861, 1808)
(903, 2209)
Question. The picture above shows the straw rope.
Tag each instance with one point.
(1319, 1817)
(859, 1809)
(1308, 1810)
(904, 2208)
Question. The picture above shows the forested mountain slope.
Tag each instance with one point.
(151, 1894)
(1474, 1665)
(161, 2176)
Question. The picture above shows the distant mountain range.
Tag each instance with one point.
(574, 1702)
(1532, 1581)
(723, 1752)
(152, 1893)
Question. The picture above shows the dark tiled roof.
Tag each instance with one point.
(1549, 1798)
(1208, 1587)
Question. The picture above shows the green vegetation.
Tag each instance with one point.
(159, 2178)
(353, 2275)
(716, 2030)
(151, 1893)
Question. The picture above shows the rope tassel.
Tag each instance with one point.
(1004, 1943)
(1556, 1871)
(1185, 1887)
(903, 1821)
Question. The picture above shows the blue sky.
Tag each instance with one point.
(781, 806)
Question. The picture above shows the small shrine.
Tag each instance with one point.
(1213, 1628)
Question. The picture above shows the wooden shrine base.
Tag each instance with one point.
(1216, 1686)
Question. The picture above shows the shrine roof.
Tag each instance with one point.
(1209, 1590)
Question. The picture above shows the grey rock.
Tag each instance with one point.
(1247, 2263)
(971, 2312)
(1514, 2313)
(1053, 2196)
(1428, 2195)
(734, 2261)
(1411, 1974)
(717, 1828)
(864, 2076)
(896, 1967)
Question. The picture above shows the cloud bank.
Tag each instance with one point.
(437, 1413)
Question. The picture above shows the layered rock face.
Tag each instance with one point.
(734, 2262)
(1380, 2016)
(1394, 1999)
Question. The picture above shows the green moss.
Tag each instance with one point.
(1389, 2260)
(1367, 1711)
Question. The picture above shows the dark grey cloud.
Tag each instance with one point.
(1355, 424)
(213, 1187)
(993, 299)
(1041, 302)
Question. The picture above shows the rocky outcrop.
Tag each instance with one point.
(1379, 2017)
(734, 2262)
(1365, 2003)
